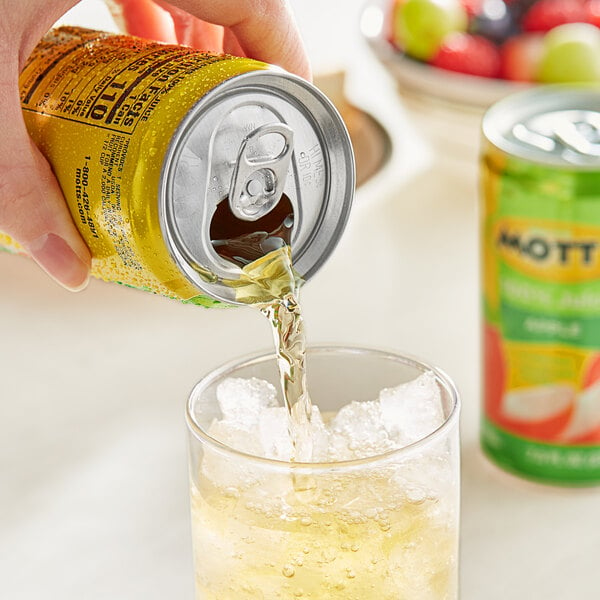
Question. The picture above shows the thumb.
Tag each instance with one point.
(32, 207)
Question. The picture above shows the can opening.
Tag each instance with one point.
(285, 138)
(242, 242)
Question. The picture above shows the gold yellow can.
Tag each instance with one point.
(149, 140)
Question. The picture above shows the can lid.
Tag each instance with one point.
(550, 125)
(252, 138)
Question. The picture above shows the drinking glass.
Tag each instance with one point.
(383, 527)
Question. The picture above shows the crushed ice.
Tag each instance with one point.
(252, 422)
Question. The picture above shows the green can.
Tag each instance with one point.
(540, 238)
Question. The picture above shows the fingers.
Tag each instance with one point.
(163, 22)
(206, 36)
(144, 18)
(32, 207)
(183, 24)
(231, 44)
(194, 32)
(264, 29)
(261, 29)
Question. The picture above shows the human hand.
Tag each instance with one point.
(32, 207)
(260, 29)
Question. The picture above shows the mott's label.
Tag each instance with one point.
(549, 250)
(541, 300)
(103, 110)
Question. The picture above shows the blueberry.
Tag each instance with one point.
(518, 8)
(495, 21)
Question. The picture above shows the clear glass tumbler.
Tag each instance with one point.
(378, 528)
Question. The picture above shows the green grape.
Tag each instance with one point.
(571, 53)
(421, 25)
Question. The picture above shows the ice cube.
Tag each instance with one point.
(273, 433)
(227, 470)
(358, 431)
(230, 472)
(412, 410)
(242, 400)
(233, 436)
(320, 436)
(276, 443)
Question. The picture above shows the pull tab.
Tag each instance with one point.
(581, 133)
(257, 183)
(575, 131)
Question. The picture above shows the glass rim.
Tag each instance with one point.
(441, 377)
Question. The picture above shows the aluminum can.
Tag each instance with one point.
(149, 141)
(540, 237)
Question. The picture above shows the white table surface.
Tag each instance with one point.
(93, 471)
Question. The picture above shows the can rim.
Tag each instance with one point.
(337, 131)
(520, 103)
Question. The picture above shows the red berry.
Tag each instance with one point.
(544, 15)
(592, 12)
(473, 7)
(466, 53)
(520, 56)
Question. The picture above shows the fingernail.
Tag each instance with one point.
(59, 260)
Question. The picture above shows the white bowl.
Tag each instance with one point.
(466, 91)
(447, 105)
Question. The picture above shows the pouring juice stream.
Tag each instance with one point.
(163, 151)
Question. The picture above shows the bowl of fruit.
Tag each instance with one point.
(467, 54)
